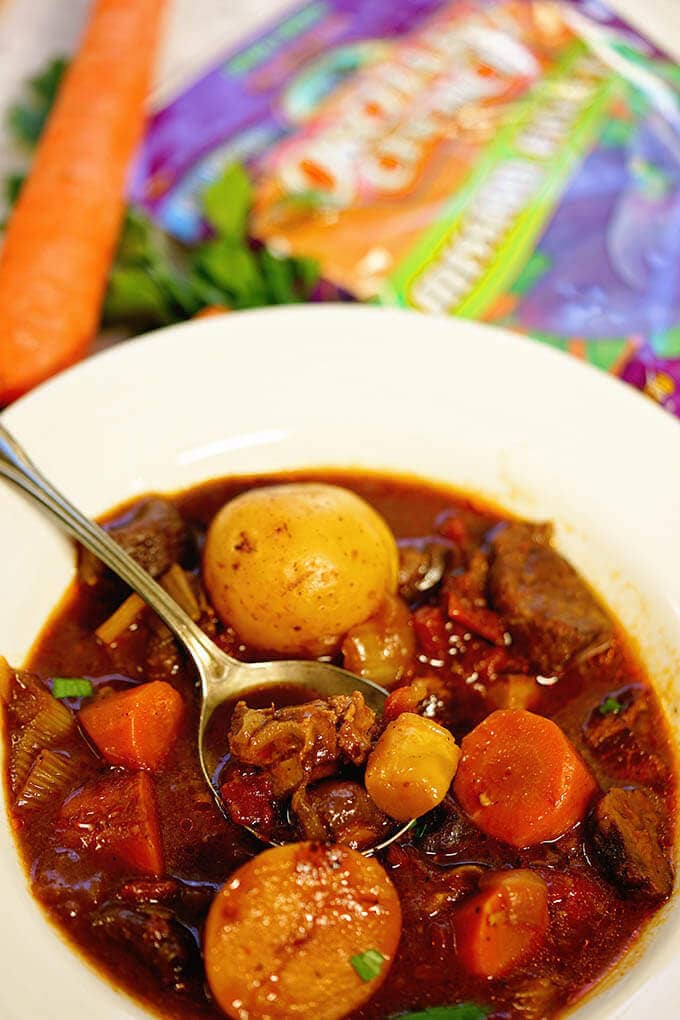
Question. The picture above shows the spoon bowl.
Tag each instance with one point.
(222, 678)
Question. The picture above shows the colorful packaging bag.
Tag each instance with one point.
(514, 161)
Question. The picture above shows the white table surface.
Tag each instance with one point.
(198, 30)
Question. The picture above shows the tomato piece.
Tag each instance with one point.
(428, 623)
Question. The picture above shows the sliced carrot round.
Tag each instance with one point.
(521, 780)
(503, 925)
(303, 930)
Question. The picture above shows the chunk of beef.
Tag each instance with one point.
(625, 741)
(549, 609)
(624, 834)
(156, 938)
(340, 811)
(302, 743)
(153, 533)
(422, 565)
(450, 834)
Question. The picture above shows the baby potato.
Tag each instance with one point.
(411, 767)
(285, 936)
(293, 567)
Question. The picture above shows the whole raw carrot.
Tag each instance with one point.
(62, 234)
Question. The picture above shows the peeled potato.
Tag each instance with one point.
(282, 933)
(293, 567)
(410, 769)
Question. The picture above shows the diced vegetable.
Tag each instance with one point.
(382, 647)
(249, 800)
(62, 233)
(503, 925)
(429, 625)
(514, 690)
(411, 767)
(71, 687)
(115, 816)
(405, 699)
(478, 619)
(368, 964)
(113, 628)
(297, 915)
(51, 722)
(178, 586)
(135, 728)
(521, 780)
(50, 774)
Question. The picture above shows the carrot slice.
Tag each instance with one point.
(62, 235)
(303, 930)
(520, 779)
(503, 925)
(135, 728)
(115, 816)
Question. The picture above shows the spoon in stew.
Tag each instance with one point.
(222, 678)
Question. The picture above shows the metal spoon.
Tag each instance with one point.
(221, 677)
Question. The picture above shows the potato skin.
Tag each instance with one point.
(411, 767)
(293, 567)
(281, 933)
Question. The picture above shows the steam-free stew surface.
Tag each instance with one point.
(146, 933)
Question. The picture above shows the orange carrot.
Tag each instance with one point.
(135, 728)
(520, 779)
(114, 816)
(503, 925)
(62, 234)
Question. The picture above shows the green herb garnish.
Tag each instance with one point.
(27, 117)
(461, 1011)
(610, 706)
(71, 687)
(368, 965)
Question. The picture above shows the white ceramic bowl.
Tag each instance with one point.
(449, 400)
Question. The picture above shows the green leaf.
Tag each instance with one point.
(134, 297)
(71, 687)
(233, 270)
(279, 278)
(13, 185)
(610, 706)
(307, 272)
(45, 84)
(461, 1011)
(368, 964)
(227, 202)
(27, 117)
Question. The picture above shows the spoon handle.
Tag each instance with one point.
(17, 467)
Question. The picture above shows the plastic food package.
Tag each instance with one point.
(514, 161)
